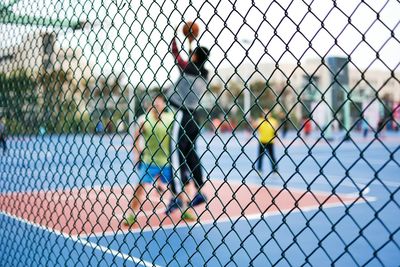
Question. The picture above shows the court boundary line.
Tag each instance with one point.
(364, 180)
(229, 219)
(233, 182)
(250, 185)
(84, 239)
(301, 190)
(83, 242)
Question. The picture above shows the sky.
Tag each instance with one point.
(134, 36)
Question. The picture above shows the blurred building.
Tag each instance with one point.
(319, 89)
(27, 54)
(39, 53)
(31, 51)
(79, 76)
(66, 74)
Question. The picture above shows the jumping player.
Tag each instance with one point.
(185, 99)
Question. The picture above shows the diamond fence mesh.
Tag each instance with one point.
(219, 133)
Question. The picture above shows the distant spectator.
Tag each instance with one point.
(109, 127)
(266, 127)
(364, 128)
(381, 126)
(284, 123)
(216, 122)
(42, 130)
(3, 134)
(335, 125)
(99, 127)
(307, 127)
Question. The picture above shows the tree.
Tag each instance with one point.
(60, 110)
(264, 97)
(19, 99)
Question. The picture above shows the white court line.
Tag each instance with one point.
(387, 183)
(365, 181)
(234, 219)
(252, 217)
(365, 191)
(385, 162)
(83, 242)
(254, 186)
(324, 158)
(359, 182)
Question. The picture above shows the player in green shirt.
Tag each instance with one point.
(154, 156)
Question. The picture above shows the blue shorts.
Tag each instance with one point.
(148, 173)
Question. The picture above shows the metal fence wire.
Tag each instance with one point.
(199, 133)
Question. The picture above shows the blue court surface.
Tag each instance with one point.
(363, 230)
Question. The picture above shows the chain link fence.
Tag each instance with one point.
(215, 133)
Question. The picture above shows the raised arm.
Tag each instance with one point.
(178, 59)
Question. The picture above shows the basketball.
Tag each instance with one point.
(191, 30)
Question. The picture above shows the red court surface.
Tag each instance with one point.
(100, 210)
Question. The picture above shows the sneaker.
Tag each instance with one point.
(188, 217)
(160, 189)
(197, 200)
(173, 205)
(130, 220)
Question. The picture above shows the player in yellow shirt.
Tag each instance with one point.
(266, 127)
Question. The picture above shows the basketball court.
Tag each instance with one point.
(76, 197)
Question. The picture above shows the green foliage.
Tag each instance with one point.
(60, 111)
(18, 101)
